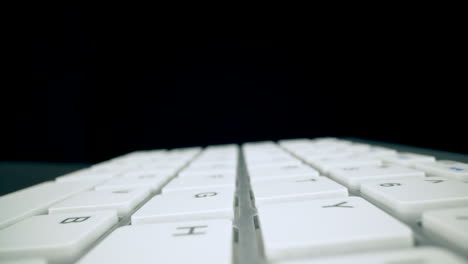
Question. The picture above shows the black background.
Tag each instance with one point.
(85, 85)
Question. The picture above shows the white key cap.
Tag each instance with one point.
(253, 165)
(327, 227)
(423, 255)
(225, 167)
(193, 171)
(187, 205)
(297, 189)
(109, 168)
(319, 154)
(407, 198)
(449, 224)
(325, 164)
(86, 175)
(37, 199)
(154, 183)
(208, 160)
(207, 242)
(148, 174)
(380, 152)
(58, 238)
(202, 181)
(353, 177)
(121, 201)
(445, 168)
(407, 159)
(279, 172)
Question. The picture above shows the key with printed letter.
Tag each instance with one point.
(187, 205)
(445, 168)
(207, 242)
(201, 181)
(407, 159)
(37, 199)
(275, 172)
(353, 177)
(58, 238)
(328, 227)
(122, 201)
(407, 198)
(297, 189)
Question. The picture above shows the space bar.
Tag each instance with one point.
(37, 199)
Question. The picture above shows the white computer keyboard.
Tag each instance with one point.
(298, 201)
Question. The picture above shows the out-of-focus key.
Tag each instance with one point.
(424, 255)
(328, 227)
(202, 181)
(208, 242)
(407, 159)
(325, 164)
(122, 201)
(445, 168)
(282, 171)
(353, 177)
(297, 189)
(154, 183)
(86, 175)
(265, 165)
(37, 199)
(187, 205)
(407, 198)
(58, 238)
(448, 225)
(149, 174)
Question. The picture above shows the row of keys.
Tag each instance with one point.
(293, 204)
(202, 192)
(62, 238)
(284, 201)
(81, 206)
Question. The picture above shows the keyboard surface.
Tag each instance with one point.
(323, 200)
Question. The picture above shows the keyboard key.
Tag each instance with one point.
(445, 168)
(325, 164)
(151, 182)
(297, 189)
(224, 166)
(149, 174)
(215, 159)
(316, 154)
(121, 201)
(328, 227)
(407, 198)
(201, 181)
(86, 175)
(58, 238)
(279, 172)
(407, 159)
(255, 165)
(37, 199)
(353, 177)
(207, 242)
(380, 152)
(424, 255)
(449, 225)
(187, 205)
